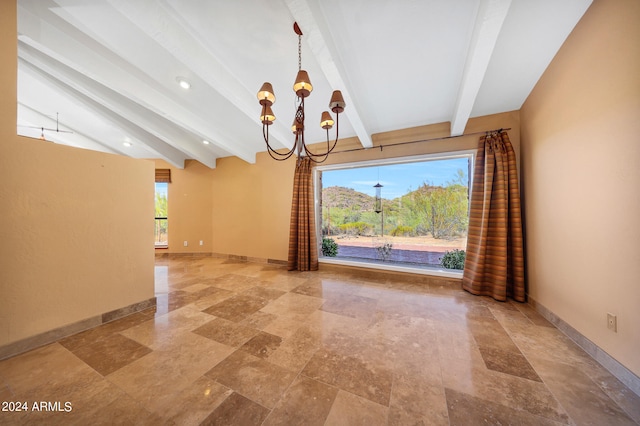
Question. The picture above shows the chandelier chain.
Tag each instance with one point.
(299, 52)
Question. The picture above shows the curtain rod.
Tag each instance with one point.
(423, 140)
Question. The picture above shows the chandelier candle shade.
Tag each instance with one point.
(302, 88)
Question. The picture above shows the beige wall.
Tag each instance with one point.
(236, 209)
(251, 207)
(581, 169)
(75, 238)
(189, 202)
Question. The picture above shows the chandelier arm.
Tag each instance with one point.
(304, 145)
(337, 131)
(329, 150)
(279, 156)
(313, 156)
(265, 133)
(282, 156)
(271, 150)
(265, 128)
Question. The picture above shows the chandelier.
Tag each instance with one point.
(302, 87)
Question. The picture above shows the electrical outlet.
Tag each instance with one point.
(612, 322)
(186, 244)
(201, 242)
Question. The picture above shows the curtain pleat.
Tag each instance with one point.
(303, 248)
(494, 264)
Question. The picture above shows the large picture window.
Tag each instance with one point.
(400, 213)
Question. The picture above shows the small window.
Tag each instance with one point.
(403, 213)
(161, 238)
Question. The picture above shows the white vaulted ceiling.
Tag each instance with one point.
(109, 68)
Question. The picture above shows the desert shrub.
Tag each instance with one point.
(401, 231)
(384, 251)
(329, 247)
(453, 259)
(355, 228)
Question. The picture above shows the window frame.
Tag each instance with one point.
(441, 272)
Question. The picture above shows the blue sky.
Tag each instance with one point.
(161, 188)
(397, 179)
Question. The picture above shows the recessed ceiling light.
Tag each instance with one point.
(206, 142)
(183, 82)
(127, 144)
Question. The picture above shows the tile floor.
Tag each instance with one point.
(245, 343)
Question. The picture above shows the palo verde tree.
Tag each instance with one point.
(443, 211)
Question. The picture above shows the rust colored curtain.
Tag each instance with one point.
(303, 247)
(494, 264)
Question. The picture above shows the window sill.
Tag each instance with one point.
(438, 272)
(161, 246)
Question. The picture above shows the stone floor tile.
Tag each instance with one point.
(306, 402)
(262, 345)
(583, 399)
(164, 372)
(164, 331)
(226, 332)
(351, 374)
(214, 296)
(293, 303)
(349, 409)
(111, 353)
(350, 305)
(616, 390)
(286, 323)
(236, 410)
(296, 350)
(194, 403)
(469, 410)
(414, 401)
(264, 292)
(258, 320)
(234, 282)
(238, 307)
(45, 372)
(508, 362)
(473, 378)
(253, 377)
